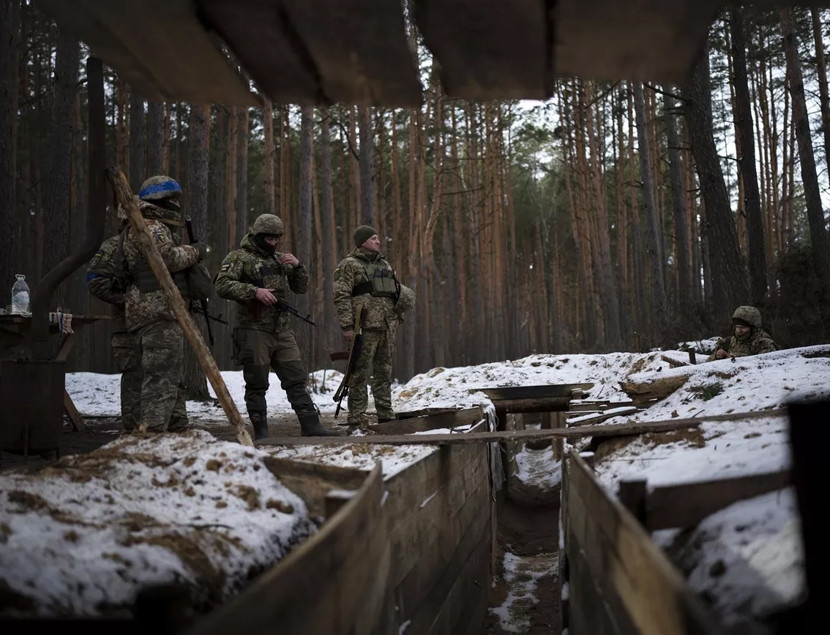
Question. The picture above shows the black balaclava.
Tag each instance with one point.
(259, 240)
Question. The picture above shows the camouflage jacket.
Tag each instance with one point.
(249, 268)
(99, 279)
(147, 308)
(351, 271)
(759, 342)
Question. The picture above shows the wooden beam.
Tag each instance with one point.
(686, 504)
(73, 414)
(515, 393)
(585, 419)
(490, 437)
(159, 47)
(174, 298)
(453, 419)
(490, 49)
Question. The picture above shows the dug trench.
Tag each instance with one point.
(523, 591)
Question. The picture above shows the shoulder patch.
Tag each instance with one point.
(161, 237)
(225, 266)
(337, 274)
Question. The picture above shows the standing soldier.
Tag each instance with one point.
(105, 282)
(159, 340)
(365, 280)
(257, 277)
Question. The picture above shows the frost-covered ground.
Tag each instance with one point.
(83, 536)
(522, 575)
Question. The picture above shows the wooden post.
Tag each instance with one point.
(191, 331)
(812, 488)
(632, 494)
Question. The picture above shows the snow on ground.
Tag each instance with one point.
(746, 560)
(97, 394)
(83, 536)
(451, 387)
(393, 458)
(538, 468)
(522, 575)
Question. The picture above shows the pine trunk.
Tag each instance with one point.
(243, 120)
(196, 207)
(681, 236)
(268, 131)
(303, 248)
(155, 138)
(327, 221)
(8, 115)
(746, 162)
(812, 194)
(137, 150)
(367, 207)
(821, 64)
(729, 284)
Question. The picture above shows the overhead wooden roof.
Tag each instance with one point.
(358, 51)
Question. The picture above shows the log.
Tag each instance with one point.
(125, 199)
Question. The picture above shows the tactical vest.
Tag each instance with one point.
(381, 282)
(142, 275)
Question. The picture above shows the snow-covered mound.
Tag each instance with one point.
(451, 387)
(84, 536)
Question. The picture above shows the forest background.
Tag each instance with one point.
(614, 216)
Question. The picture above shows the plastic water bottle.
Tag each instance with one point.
(20, 296)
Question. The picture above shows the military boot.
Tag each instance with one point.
(260, 422)
(311, 427)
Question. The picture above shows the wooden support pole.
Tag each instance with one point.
(812, 487)
(632, 494)
(171, 292)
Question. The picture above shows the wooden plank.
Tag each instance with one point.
(313, 481)
(634, 575)
(513, 393)
(158, 47)
(611, 430)
(177, 305)
(423, 412)
(686, 504)
(490, 50)
(72, 412)
(597, 406)
(344, 567)
(453, 419)
(586, 419)
(602, 39)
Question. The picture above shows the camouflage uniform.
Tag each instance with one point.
(263, 339)
(756, 342)
(99, 279)
(353, 290)
(158, 336)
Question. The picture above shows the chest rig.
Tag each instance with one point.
(380, 281)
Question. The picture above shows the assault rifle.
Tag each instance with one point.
(282, 305)
(203, 303)
(354, 352)
(215, 318)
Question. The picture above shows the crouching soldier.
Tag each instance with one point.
(257, 277)
(749, 338)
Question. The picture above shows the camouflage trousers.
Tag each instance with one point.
(374, 365)
(259, 352)
(160, 347)
(129, 363)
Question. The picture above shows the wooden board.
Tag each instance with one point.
(686, 504)
(603, 39)
(313, 481)
(452, 419)
(611, 430)
(73, 414)
(490, 50)
(159, 47)
(321, 51)
(586, 419)
(641, 591)
(333, 583)
(514, 393)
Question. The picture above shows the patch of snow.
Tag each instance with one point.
(83, 537)
(538, 468)
(747, 560)
(393, 458)
(522, 575)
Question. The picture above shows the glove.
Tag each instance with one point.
(201, 249)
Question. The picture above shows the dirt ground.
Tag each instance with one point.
(531, 532)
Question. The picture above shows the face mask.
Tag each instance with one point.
(260, 241)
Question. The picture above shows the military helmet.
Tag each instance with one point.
(159, 188)
(268, 224)
(406, 300)
(748, 314)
